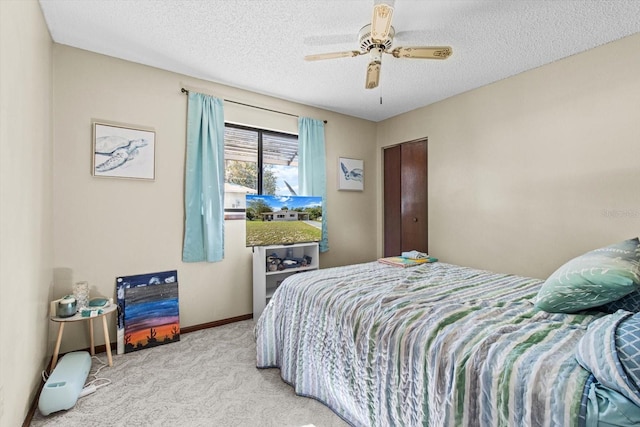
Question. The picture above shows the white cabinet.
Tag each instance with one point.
(273, 264)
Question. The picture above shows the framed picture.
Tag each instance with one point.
(123, 151)
(350, 174)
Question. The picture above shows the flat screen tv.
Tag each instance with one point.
(283, 220)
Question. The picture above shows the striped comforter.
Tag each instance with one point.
(437, 345)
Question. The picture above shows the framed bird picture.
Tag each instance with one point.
(350, 174)
(123, 151)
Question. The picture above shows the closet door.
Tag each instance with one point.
(405, 198)
(413, 174)
(392, 202)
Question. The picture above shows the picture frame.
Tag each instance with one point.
(123, 151)
(350, 174)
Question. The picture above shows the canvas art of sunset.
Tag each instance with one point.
(150, 309)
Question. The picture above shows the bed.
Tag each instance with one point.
(436, 344)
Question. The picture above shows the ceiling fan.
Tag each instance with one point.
(377, 38)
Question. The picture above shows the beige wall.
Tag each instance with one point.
(25, 204)
(535, 169)
(108, 227)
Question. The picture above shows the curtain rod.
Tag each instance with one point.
(185, 91)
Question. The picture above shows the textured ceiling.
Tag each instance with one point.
(260, 45)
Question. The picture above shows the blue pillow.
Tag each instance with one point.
(629, 302)
(609, 350)
(593, 279)
(627, 340)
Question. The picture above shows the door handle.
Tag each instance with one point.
(415, 219)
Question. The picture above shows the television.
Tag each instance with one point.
(283, 220)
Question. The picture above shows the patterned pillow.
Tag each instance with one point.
(609, 350)
(628, 345)
(630, 302)
(593, 279)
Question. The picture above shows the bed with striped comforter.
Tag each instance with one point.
(436, 345)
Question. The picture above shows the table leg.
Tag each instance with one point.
(107, 344)
(93, 347)
(56, 351)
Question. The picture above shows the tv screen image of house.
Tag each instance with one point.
(283, 220)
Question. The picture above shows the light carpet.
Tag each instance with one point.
(208, 378)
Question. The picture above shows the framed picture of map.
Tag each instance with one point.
(123, 151)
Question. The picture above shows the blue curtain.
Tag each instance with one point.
(311, 167)
(204, 180)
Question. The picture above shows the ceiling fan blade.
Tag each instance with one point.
(422, 52)
(373, 75)
(332, 55)
(381, 21)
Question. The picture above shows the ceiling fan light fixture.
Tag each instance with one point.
(376, 54)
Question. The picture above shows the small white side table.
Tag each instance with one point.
(78, 318)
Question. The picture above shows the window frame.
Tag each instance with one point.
(233, 213)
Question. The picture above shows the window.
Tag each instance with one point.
(257, 161)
